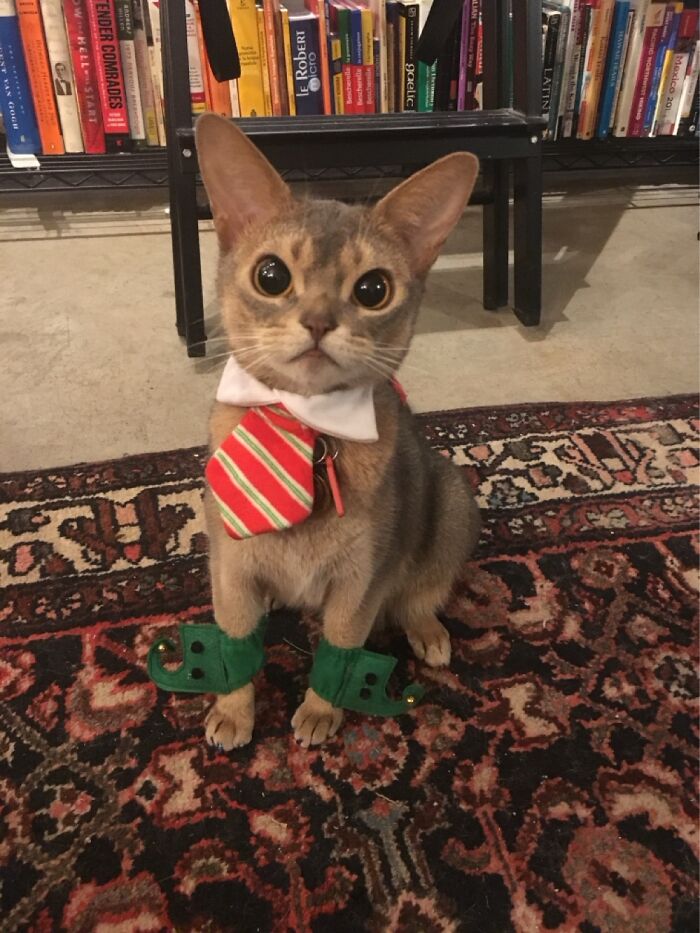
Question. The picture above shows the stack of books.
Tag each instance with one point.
(86, 75)
(623, 67)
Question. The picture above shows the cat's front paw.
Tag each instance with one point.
(430, 641)
(229, 723)
(315, 720)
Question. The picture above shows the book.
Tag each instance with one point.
(127, 49)
(378, 8)
(614, 58)
(686, 121)
(218, 93)
(587, 22)
(340, 22)
(197, 91)
(143, 67)
(40, 81)
(110, 78)
(454, 72)
(250, 84)
(551, 23)
(580, 12)
(463, 54)
(629, 80)
(202, 56)
(151, 24)
(426, 73)
(86, 86)
(319, 8)
(559, 59)
(264, 69)
(16, 102)
(409, 95)
(670, 96)
(306, 62)
(472, 46)
(271, 13)
(357, 78)
(289, 65)
(655, 26)
(595, 69)
(661, 65)
(569, 40)
(393, 55)
(369, 76)
(62, 74)
(631, 16)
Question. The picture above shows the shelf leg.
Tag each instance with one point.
(527, 237)
(496, 235)
(186, 262)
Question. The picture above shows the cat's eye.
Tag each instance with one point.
(373, 290)
(272, 277)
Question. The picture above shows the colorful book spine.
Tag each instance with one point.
(368, 65)
(599, 49)
(110, 78)
(426, 73)
(612, 65)
(196, 73)
(356, 74)
(151, 22)
(586, 32)
(264, 69)
(319, 8)
(661, 65)
(143, 67)
(202, 56)
(127, 49)
(63, 79)
(684, 119)
(306, 64)
(393, 54)
(37, 61)
(378, 8)
(336, 56)
(472, 53)
(289, 65)
(16, 102)
(270, 14)
(652, 37)
(251, 96)
(631, 17)
(410, 90)
(575, 66)
(673, 90)
(85, 73)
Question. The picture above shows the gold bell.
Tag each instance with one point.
(162, 647)
(410, 700)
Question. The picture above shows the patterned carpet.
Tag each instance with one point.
(547, 783)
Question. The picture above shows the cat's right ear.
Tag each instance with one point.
(242, 186)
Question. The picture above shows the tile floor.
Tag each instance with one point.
(93, 369)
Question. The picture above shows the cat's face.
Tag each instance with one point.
(318, 298)
(318, 295)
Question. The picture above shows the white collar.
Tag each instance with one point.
(345, 413)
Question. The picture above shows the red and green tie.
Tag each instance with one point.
(262, 476)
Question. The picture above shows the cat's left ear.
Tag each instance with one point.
(242, 186)
(423, 209)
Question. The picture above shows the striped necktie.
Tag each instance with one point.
(262, 476)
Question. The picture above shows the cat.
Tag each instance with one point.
(347, 282)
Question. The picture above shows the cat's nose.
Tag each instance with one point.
(318, 325)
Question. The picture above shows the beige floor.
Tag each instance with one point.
(92, 367)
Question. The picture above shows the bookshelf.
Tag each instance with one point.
(507, 139)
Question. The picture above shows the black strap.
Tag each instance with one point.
(438, 26)
(219, 40)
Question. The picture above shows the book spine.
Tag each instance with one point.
(264, 65)
(368, 69)
(677, 71)
(378, 8)
(306, 65)
(86, 87)
(127, 49)
(16, 102)
(244, 18)
(269, 14)
(652, 38)
(151, 22)
(557, 77)
(197, 89)
(586, 70)
(684, 118)
(288, 63)
(661, 64)
(281, 66)
(631, 19)
(629, 76)
(580, 25)
(454, 69)
(233, 100)
(552, 22)
(37, 61)
(110, 78)
(143, 67)
(320, 9)
(600, 51)
(569, 42)
(472, 49)
(356, 75)
(585, 50)
(612, 65)
(203, 61)
(463, 54)
(63, 79)
(393, 24)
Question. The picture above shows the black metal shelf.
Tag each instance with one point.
(149, 168)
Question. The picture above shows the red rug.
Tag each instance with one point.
(546, 783)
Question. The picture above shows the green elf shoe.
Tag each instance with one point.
(212, 662)
(356, 679)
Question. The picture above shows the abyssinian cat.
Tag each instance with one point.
(320, 297)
